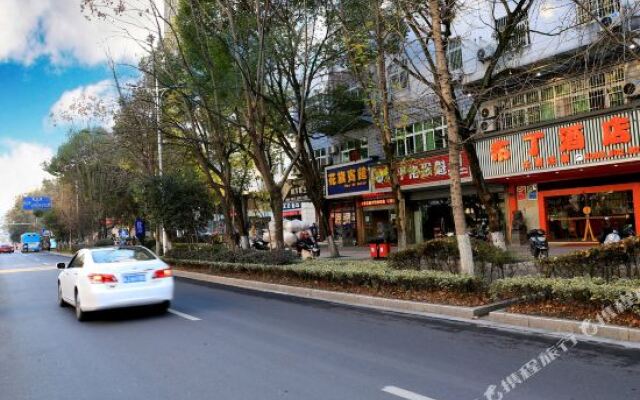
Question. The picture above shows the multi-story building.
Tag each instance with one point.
(558, 138)
(563, 138)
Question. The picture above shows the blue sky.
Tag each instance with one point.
(29, 92)
(53, 55)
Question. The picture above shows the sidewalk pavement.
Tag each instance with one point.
(362, 252)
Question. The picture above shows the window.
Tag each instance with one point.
(454, 54)
(109, 256)
(321, 157)
(421, 136)
(520, 37)
(397, 75)
(354, 150)
(597, 91)
(77, 261)
(586, 10)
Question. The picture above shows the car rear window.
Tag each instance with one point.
(121, 255)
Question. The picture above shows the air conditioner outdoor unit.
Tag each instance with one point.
(488, 112)
(612, 20)
(485, 53)
(488, 126)
(632, 88)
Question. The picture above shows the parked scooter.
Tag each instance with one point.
(308, 243)
(627, 231)
(258, 243)
(538, 243)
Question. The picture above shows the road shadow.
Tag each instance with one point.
(127, 314)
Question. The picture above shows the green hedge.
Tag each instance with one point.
(368, 274)
(582, 290)
(442, 255)
(616, 260)
(219, 253)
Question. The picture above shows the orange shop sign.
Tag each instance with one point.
(418, 172)
(605, 139)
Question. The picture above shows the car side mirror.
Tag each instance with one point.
(62, 265)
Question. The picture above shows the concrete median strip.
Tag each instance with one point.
(484, 315)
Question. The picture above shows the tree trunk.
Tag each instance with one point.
(495, 232)
(386, 131)
(448, 103)
(316, 197)
(276, 202)
(241, 220)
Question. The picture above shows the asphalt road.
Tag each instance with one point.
(246, 345)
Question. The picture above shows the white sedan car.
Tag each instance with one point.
(114, 277)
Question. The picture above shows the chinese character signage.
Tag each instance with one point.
(600, 140)
(347, 179)
(426, 171)
(36, 203)
(291, 205)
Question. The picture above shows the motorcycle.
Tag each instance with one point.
(627, 231)
(258, 244)
(538, 243)
(309, 244)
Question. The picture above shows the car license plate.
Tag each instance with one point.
(134, 278)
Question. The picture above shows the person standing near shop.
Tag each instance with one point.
(606, 230)
(314, 231)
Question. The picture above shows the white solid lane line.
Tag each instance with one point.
(405, 394)
(183, 315)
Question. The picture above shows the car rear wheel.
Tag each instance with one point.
(61, 301)
(164, 307)
(80, 315)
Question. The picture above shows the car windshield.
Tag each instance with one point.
(121, 255)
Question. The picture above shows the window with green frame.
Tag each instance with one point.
(421, 136)
(596, 91)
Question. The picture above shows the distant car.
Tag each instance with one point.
(30, 242)
(6, 248)
(114, 277)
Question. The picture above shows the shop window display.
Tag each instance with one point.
(567, 221)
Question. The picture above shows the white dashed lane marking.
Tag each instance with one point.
(183, 315)
(404, 394)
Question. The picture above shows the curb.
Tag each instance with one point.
(618, 333)
(400, 306)
(483, 315)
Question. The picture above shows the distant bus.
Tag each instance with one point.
(30, 241)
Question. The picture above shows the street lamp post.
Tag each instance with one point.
(163, 233)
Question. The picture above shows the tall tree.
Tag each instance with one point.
(426, 38)
(300, 50)
(370, 36)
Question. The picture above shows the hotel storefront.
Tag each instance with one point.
(344, 185)
(574, 179)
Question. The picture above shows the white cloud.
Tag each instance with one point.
(85, 106)
(20, 170)
(59, 30)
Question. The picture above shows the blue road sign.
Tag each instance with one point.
(36, 203)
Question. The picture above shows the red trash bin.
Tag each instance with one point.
(373, 250)
(384, 250)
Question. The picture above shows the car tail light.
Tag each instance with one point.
(102, 278)
(163, 273)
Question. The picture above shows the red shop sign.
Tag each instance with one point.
(419, 171)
